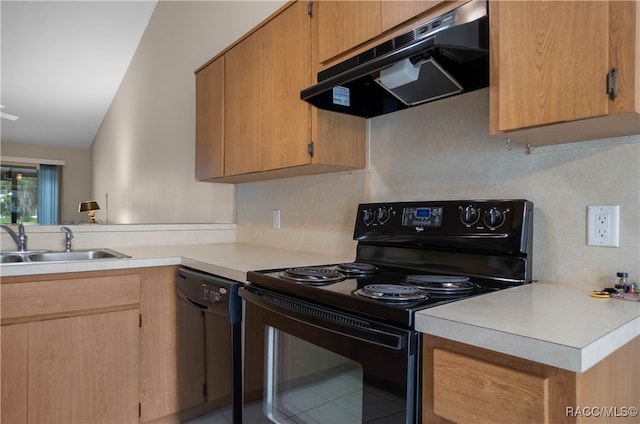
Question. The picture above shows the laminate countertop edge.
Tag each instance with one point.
(550, 323)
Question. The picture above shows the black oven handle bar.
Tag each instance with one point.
(326, 319)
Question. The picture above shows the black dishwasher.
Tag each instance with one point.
(209, 328)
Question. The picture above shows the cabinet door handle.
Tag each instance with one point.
(612, 83)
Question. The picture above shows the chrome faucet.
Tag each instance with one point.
(68, 235)
(19, 239)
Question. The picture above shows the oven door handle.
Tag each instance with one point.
(327, 319)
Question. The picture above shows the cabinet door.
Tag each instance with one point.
(549, 62)
(209, 125)
(285, 59)
(84, 369)
(158, 352)
(14, 373)
(467, 388)
(394, 13)
(342, 25)
(242, 107)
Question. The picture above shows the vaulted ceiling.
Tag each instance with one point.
(61, 65)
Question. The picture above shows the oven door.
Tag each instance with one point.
(308, 364)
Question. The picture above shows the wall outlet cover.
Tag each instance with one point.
(603, 225)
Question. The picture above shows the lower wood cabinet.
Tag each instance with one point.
(467, 384)
(159, 397)
(89, 347)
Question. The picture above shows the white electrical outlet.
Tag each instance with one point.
(276, 219)
(603, 225)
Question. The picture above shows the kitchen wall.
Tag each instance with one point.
(143, 154)
(442, 150)
(143, 157)
(76, 173)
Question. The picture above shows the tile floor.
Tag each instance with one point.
(337, 400)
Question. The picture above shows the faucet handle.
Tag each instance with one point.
(22, 236)
(68, 235)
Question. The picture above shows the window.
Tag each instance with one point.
(29, 194)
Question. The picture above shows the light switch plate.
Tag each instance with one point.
(603, 225)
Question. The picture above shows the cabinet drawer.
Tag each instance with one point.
(48, 298)
(466, 388)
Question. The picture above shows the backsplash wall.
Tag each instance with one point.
(442, 151)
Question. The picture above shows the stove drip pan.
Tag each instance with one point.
(317, 276)
(391, 293)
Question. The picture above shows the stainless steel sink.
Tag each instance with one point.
(77, 255)
(7, 258)
(49, 256)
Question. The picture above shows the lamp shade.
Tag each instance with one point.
(88, 205)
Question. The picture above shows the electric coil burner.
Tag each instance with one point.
(357, 269)
(312, 275)
(441, 285)
(391, 292)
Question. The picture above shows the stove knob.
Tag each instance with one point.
(469, 215)
(368, 216)
(493, 218)
(383, 215)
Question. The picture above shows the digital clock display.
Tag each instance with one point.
(422, 217)
(423, 212)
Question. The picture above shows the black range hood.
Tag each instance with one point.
(445, 56)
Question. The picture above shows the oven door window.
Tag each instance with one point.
(302, 368)
(310, 383)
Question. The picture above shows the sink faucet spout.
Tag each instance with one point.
(19, 239)
(68, 235)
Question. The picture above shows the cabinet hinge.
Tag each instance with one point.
(139, 409)
(310, 9)
(140, 320)
(310, 149)
(612, 83)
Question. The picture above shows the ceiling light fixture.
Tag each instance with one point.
(8, 116)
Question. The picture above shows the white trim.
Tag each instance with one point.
(31, 161)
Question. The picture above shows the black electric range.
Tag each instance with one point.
(416, 255)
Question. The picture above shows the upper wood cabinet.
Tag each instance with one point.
(344, 25)
(209, 121)
(550, 70)
(394, 13)
(242, 107)
(285, 70)
(250, 122)
(266, 124)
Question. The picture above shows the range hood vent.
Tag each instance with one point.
(445, 56)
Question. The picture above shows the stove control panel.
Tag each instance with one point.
(422, 216)
(496, 224)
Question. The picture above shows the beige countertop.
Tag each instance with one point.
(230, 260)
(554, 324)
